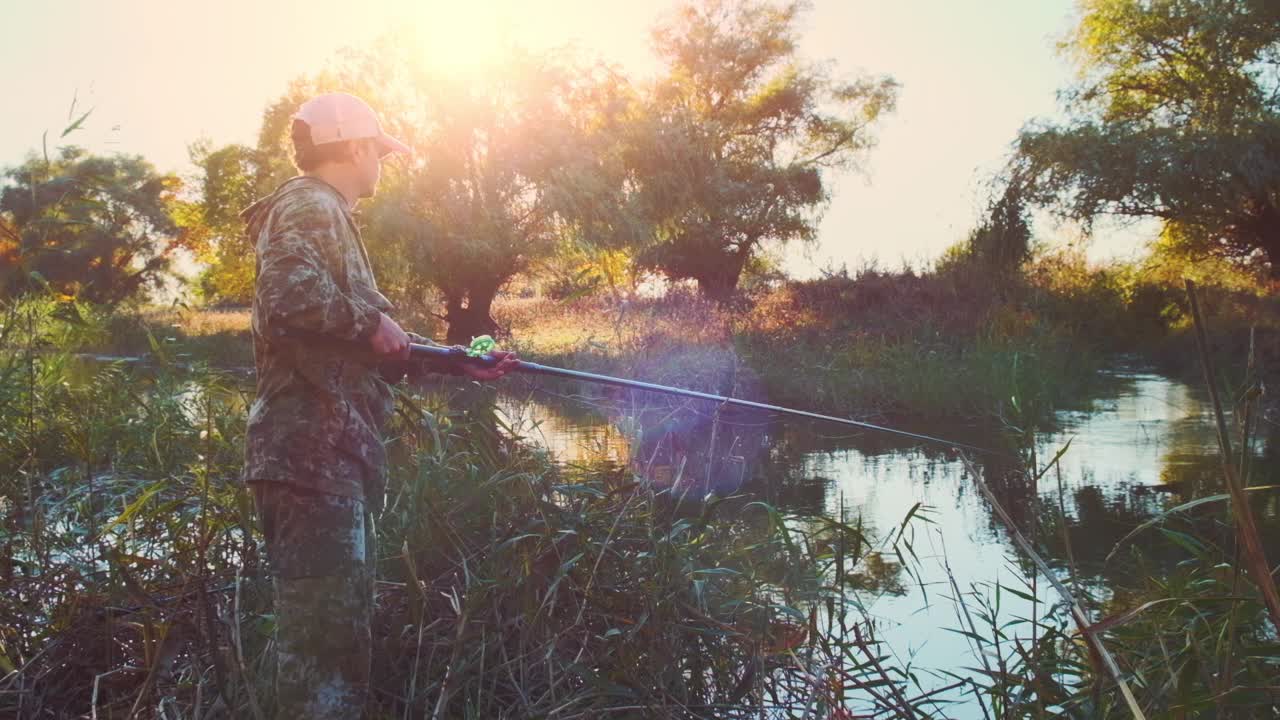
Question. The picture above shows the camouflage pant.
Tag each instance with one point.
(321, 550)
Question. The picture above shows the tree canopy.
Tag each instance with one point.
(1175, 116)
(740, 135)
(504, 171)
(98, 228)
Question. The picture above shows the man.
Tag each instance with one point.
(314, 454)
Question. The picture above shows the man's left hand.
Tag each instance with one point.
(507, 362)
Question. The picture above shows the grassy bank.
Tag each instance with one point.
(949, 344)
(807, 345)
(508, 586)
(182, 335)
(873, 345)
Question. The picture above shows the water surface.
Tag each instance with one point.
(1145, 447)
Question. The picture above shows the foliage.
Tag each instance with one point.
(577, 269)
(1176, 117)
(932, 346)
(737, 137)
(230, 179)
(1002, 242)
(505, 167)
(95, 227)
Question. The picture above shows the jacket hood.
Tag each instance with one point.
(256, 214)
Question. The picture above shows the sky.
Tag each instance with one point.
(159, 75)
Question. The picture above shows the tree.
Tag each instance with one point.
(230, 179)
(1002, 242)
(98, 228)
(1176, 116)
(507, 170)
(739, 136)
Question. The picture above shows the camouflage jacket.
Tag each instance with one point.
(321, 402)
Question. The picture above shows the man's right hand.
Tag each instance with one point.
(389, 341)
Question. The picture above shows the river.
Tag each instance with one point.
(1145, 446)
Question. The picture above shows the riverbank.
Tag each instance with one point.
(943, 346)
(901, 345)
(780, 350)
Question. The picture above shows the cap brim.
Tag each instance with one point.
(388, 145)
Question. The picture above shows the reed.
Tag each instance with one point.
(509, 586)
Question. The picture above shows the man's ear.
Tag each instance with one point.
(357, 149)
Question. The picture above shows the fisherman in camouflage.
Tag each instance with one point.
(323, 337)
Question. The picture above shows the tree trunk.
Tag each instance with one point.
(1265, 227)
(472, 318)
(719, 283)
(1270, 242)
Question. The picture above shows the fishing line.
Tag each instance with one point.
(463, 356)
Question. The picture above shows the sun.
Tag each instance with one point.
(468, 37)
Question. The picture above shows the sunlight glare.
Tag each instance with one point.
(469, 38)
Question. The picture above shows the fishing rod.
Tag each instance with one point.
(460, 356)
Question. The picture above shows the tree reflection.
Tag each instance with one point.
(692, 450)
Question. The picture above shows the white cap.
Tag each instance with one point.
(335, 117)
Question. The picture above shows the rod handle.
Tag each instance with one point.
(454, 354)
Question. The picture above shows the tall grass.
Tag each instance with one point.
(1191, 638)
(509, 586)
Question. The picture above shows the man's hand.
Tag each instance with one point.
(389, 341)
(507, 362)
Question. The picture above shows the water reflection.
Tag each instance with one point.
(1145, 448)
(689, 449)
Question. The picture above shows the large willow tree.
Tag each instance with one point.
(1175, 116)
(739, 136)
(506, 170)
